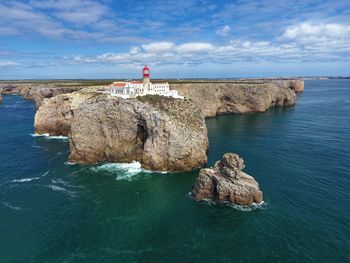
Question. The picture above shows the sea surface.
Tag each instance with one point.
(52, 211)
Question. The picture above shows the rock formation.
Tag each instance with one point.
(221, 98)
(162, 133)
(296, 85)
(226, 182)
(56, 114)
(37, 92)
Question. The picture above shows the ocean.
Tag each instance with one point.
(52, 211)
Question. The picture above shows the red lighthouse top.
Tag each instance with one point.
(145, 72)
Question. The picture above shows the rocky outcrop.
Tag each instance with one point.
(226, 182)
(296, 85)
(37, 92)
(162, 133)
(215, 98)
(56, 114)
(0, 98)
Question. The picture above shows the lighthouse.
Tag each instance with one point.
(145, 74)
(137, 88)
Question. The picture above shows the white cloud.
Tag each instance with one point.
(289, 47)
(158, 47)
(309, 32)
(9, 64)
(224, 31)
(194, 47)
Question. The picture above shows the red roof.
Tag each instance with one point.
(145, 67)
(119, 84)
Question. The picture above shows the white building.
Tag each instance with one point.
(138, 88)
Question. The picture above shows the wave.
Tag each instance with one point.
(124, 171)
(244, 208)
(8, 205)
(46, 173)
(254, 206)
(47, 136)
(29, 179)
(64, 183)
(61, 189)
(24, 180)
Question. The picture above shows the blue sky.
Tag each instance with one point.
(183, 38)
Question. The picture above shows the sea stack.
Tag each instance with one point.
(226, 183)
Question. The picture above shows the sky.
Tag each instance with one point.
(63, 39)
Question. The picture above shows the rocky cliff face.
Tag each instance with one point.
(36, 92)
(163, 134)
(56, 114)
(296, 85)
(222, 98)
(226, 182)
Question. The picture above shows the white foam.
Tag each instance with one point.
(59, 137)
(8, 205)
(69, 163)
(47, 136)
(245, 208)
(46, 173)
(61, 189)
(251, 207)
(64, 183)
(40, 135)
(124, 171)
(24, 180)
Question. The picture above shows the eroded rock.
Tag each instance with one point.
(223, 98)
(225, 182)
(163, 134)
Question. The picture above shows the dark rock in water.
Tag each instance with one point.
(225, 182)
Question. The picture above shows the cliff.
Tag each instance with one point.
(215, 98)
(56, 114)
(36, 92)
(163, 134)
(296, 85)
(225, 182)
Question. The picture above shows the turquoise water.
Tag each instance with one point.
(54, 212)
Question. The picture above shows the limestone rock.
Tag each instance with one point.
(163, 134)
(225, 182)
(296, 85)
(37, 92)
(215, 98)
(56, 114)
